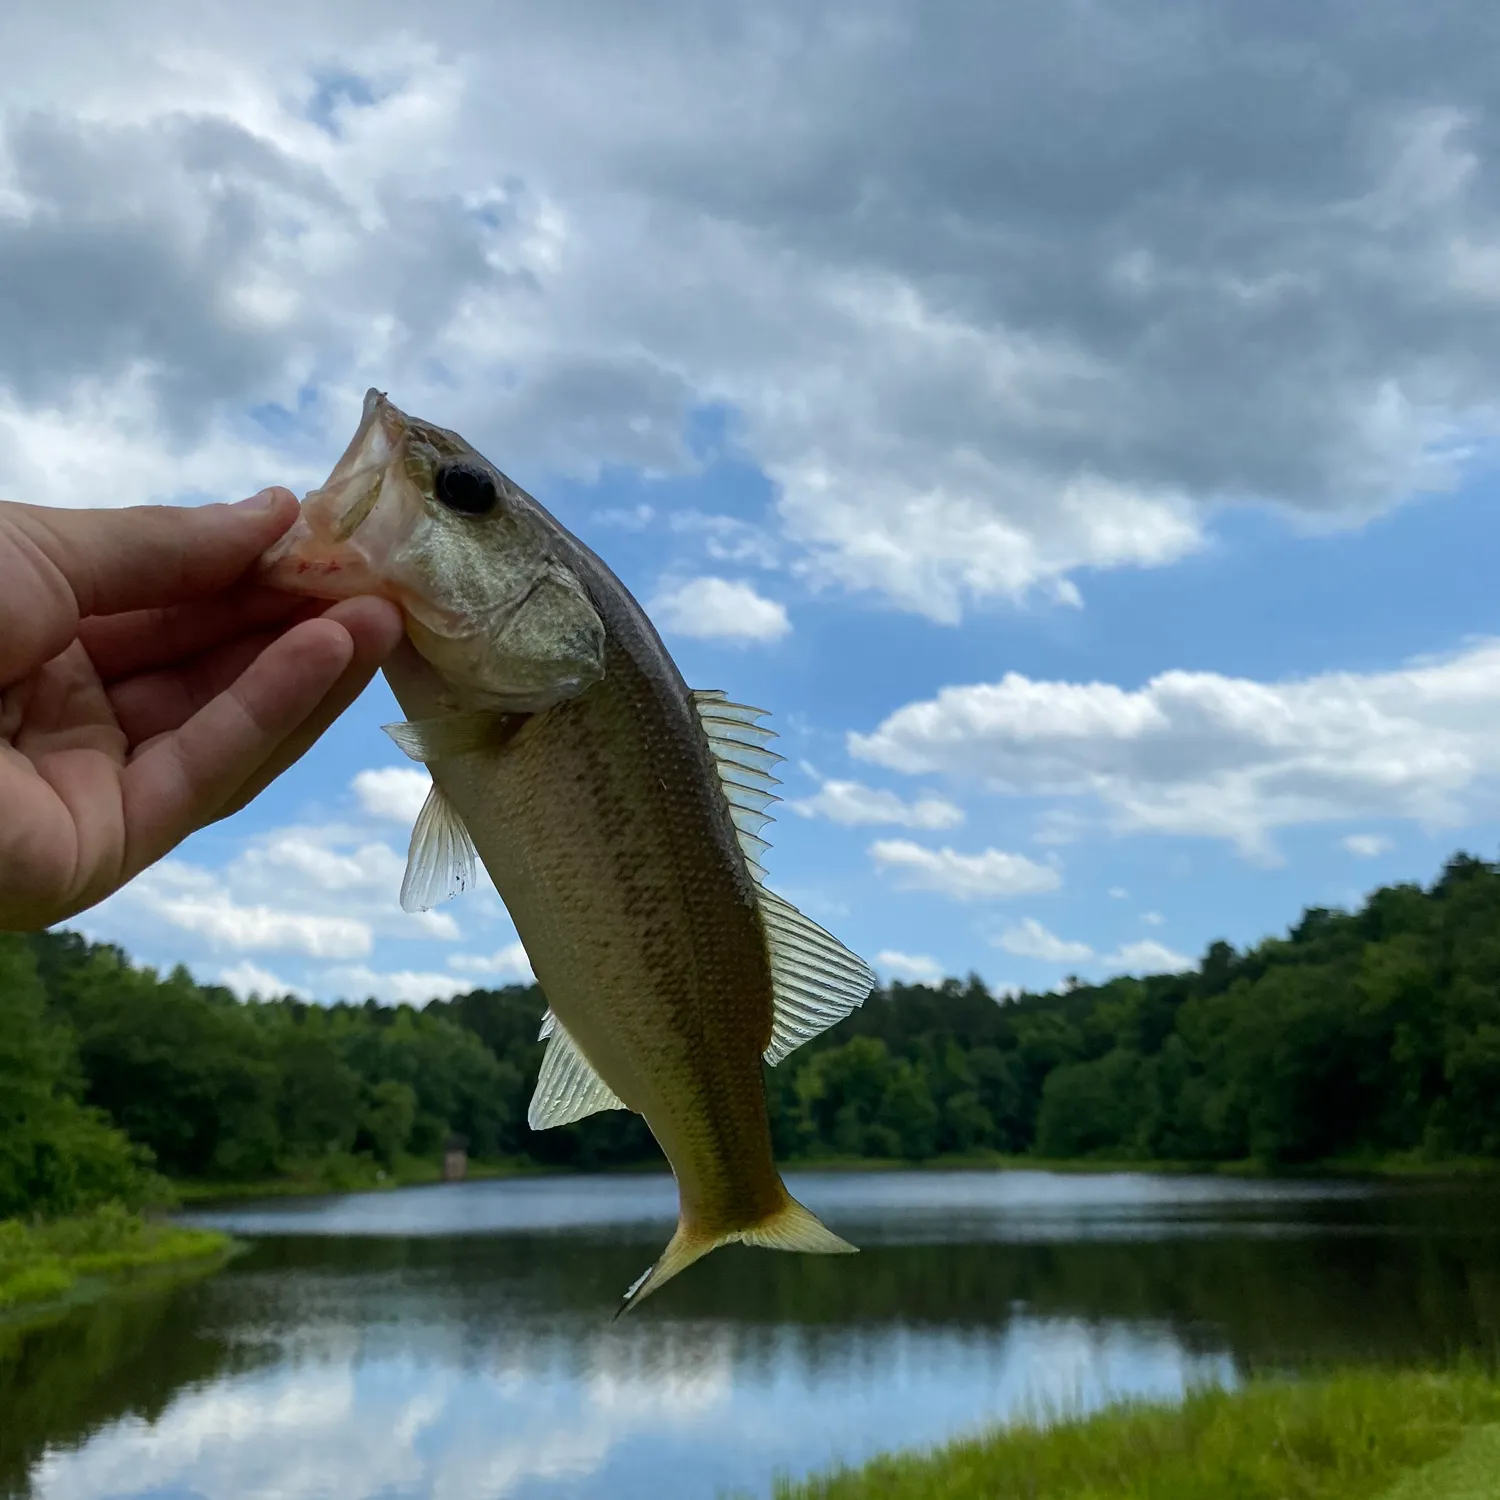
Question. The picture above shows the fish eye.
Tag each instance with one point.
(466, 489)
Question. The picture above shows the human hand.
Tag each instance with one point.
(148, 687)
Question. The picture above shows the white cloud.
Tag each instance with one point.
(962, 386)
(509, 962)
(854, 805)
(917, 968)
(1366, 845)
(248, 979)
(965, 877)
(727, 538)
(1146, 957)
(1029, 939)
(1200, 753)
(1118, 893)
(392, 792)
(714, 609)
(326, 892)
(397, 987)
(213, 914)
(1152, 918)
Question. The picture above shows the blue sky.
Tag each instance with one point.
(1087, 456)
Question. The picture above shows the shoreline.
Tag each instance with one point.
(53, 1266)
(416, 1172)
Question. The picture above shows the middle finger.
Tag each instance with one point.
(146, 640)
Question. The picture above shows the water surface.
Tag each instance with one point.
(456, 1343)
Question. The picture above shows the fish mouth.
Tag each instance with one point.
(339, 545)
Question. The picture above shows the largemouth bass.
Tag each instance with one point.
(617, 811)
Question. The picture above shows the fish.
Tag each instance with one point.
(617, 811)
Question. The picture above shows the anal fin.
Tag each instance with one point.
(815, 980)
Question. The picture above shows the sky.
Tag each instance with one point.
(1075, 424)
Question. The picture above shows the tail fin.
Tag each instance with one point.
(791, 1227)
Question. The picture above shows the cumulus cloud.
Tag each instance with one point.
(1366, 845)
(325, 892)
(715, 609)
(509, 963)
(990, 874)
(393, 987)
(1256, 266)
(392, 792)
(1145, 957)
(192, 900)
(1152, 918)
(855, 805)
(1216, 756)
(916, 968)
(727, 538)
(249, 980)
(1029, 939)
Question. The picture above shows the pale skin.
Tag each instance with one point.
(149, 687)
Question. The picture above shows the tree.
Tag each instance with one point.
(390, 1109)
(56, 1155)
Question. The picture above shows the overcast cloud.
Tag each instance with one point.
(994, 294)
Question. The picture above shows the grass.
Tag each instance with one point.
(1364, 1435)
(48, 1261)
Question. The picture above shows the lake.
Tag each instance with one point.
(456, 1342)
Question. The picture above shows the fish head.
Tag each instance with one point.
(413, 513)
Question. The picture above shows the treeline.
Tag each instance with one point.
(1358, 1035)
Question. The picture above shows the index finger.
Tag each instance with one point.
(57, 566)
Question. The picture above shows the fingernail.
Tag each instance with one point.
(266, 500)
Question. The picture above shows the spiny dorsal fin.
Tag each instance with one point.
(440, 859)
(816, 981)
(567, 1088)
(744, 764)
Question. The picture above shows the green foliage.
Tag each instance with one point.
(56, 1154)
(42, 1261)
(1360, 1037)
(1349, 1437)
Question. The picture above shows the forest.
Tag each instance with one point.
(1360, 1038)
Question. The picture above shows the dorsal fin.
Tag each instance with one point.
(744, 764)
(816, 981)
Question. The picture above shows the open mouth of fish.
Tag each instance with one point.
(352, 525)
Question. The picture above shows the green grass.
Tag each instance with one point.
(47, 1261)
(1365, 1435)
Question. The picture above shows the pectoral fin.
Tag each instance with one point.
(441, 859)
(427, 740)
